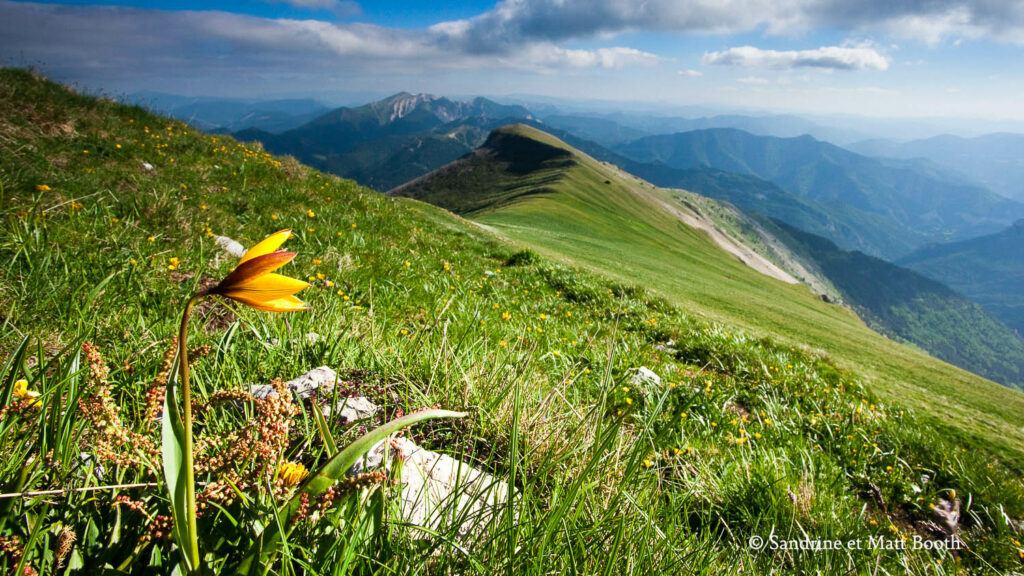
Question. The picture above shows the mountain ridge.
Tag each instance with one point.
(922, 207)
(988, 269)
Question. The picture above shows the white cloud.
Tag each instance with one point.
(690, 73)
(131, 41)
(757, 80)
(931, 21)
(340, 7)
(826, 57)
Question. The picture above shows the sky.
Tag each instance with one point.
(883, 58)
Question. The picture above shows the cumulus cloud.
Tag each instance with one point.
(512, 21)
(127, 41)
(826, 57)
(340, 7)
(691, 73)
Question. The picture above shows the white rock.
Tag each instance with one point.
(644, 377)
(439, 491)
(230, 246)
(645, 381)
(304, 386)
(147, 165)
(352, 409)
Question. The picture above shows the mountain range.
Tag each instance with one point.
(540, 191)
(391, 141)
(994, 160)
(913, 202)
(882, 207)
(988, 269)
(230, 115)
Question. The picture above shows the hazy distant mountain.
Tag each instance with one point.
(615, 128)
(391, 141)
(603, 131)
(918, 201)
(989, 269)
(995, 160)
(224, 114)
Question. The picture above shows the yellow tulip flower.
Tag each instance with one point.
(254, 284)
(22, 392)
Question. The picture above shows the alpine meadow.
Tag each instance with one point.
(532, 287)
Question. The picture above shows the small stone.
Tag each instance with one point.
(353, 409)
(438, 490)
(147, 165)
(230, 246)
(947, 514)
(304, 386)
(645, 377)
(646, 381)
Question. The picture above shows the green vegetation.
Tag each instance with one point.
(989, 270)
(107, 219)
(594, 216)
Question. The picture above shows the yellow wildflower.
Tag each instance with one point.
(22, 392)
(291, 473)
(254, 284)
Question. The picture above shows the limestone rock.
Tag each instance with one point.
(439, 491)
(230, 246)
(353, 409)
(646, 381)
(304, 386)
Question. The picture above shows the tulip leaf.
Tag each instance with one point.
(266, 545)
(173, 451)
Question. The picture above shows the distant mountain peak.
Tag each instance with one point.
(401, 105)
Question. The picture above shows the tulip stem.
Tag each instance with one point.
(191, 549)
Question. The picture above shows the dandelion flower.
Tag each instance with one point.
(254, 284)
(291, 473)
(42, 188)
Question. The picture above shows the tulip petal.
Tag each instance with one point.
(286, 304)
(253, 269)
(266, 287)
(266, 246)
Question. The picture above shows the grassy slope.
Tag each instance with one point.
(619, 230)
(747, 437)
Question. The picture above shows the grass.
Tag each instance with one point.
(750, 432)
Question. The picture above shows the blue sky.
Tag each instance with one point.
(868, 57)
